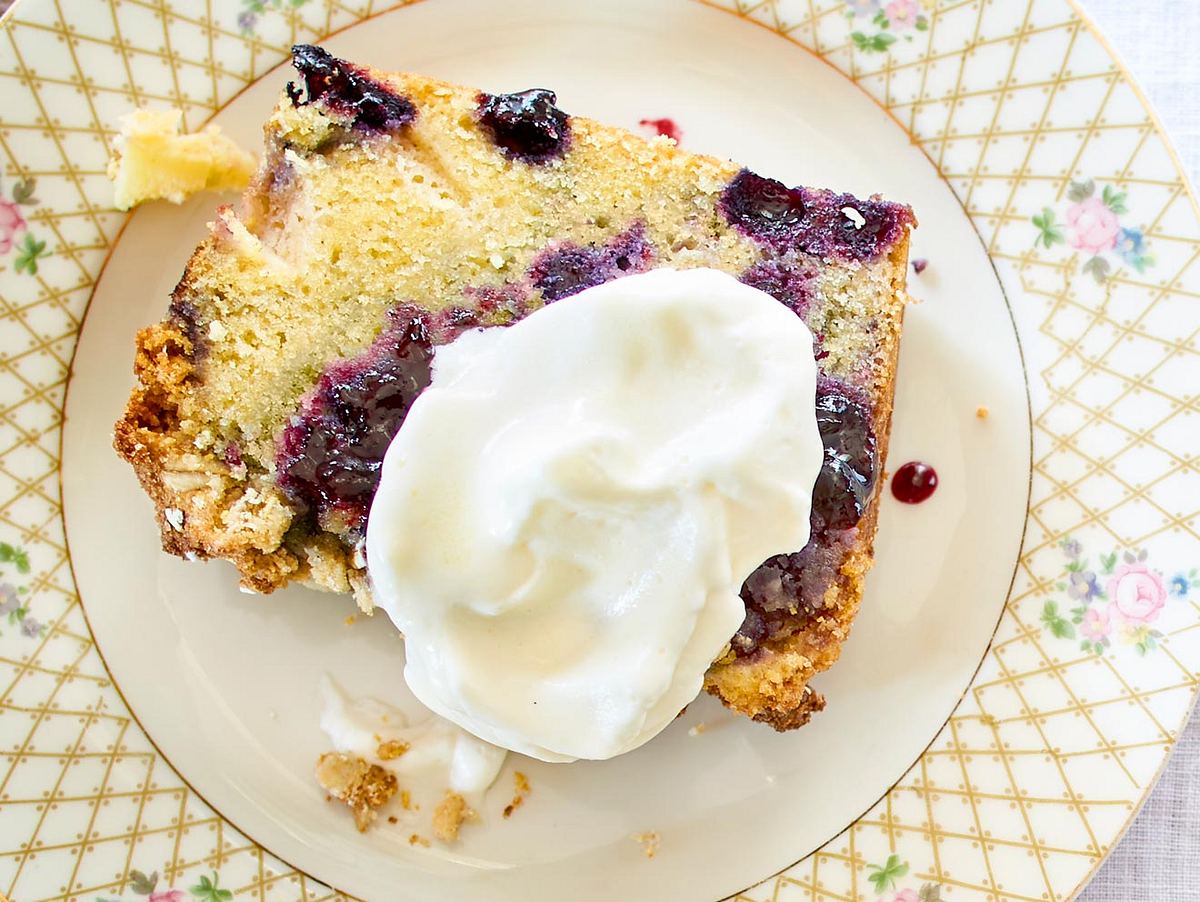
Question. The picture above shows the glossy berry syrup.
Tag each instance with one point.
(847, 478)
(665, 127)
(788, 590)
(527, 125)
(348, 92)
(914, 482)
(330, 454)
(820, 223)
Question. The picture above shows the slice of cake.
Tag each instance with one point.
(391, 213)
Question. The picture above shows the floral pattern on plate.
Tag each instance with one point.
(14, 599)
(207, 889)
(1093, 227)
(15, 233)
(890, 20)
(247, 19)
(885, 878)
(1120, 597)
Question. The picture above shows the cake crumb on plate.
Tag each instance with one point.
(649, 842)
(449, 816)
(982, 412)
(520, 791)
(392, 749)
(364, 787)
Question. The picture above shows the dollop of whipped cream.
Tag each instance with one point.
(567, 515)
(432, 746)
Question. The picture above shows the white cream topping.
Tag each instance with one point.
(568, 512)
(439, 751)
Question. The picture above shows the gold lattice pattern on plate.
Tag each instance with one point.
(1052, 749)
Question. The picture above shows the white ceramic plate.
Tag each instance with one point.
(1022, 789)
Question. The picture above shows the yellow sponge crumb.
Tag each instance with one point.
(154, 160)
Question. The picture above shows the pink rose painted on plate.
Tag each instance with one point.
(903, 13)
(1137, 594)
(12, 223)
(1114, 595)
(890, 21)
(169, 895)
(1094, 227)
(1096, 623)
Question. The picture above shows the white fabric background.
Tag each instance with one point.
(1159, 859)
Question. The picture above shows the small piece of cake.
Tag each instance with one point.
(649, 842)
(154, 160)
(364, 787)
(391, 213)
(449, 816)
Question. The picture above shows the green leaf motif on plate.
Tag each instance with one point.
(208, 890)
(884, 876)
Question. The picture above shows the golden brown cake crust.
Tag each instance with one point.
(194, 494)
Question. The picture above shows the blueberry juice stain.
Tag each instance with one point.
(914, 482)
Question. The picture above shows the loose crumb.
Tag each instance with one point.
(418, 840)
(365, 788)
(392, 819)
(649, 842)
(697, 729)
(521, 784)
(919, 265)
(449, 816)
(982, 412)
(391, 750)
(406, 800)
(349, 621)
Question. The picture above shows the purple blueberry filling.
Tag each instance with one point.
(847, 477)
(790, 588)
(566, 269)
(820, 223)
(186, 317)
(508, 300)
(329, 457)
(347, 92)
(527, 125)
(767, 209)
(789, 281)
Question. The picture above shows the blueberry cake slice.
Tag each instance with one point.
(391, 212)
